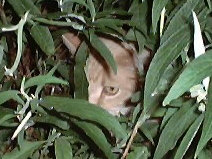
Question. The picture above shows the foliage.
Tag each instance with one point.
(44, 112)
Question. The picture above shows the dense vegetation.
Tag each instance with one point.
(44, 111)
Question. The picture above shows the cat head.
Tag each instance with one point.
(109, 90)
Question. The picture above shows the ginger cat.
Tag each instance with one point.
(106, 89)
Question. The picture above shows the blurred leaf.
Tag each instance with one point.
(139, 153)
(205, 154)
(10, 94)
(43, 38)
(158, 6)
(193, 74)
(22, 6)
(97, 136)
(103, 50)
(81, 86)
(42, 80)
(26, 151)
(91, 9)
(174, 129)
(1, 53)
(207, 125)
(6, 114)
(63, 149)
(188, 138)
(86, 111)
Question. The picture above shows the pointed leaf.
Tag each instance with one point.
(43, 38)
(86, 111)
(81, 86)
(174, 129)
(10, 94)
(26, 150)
(188, 138)
(42, 80)
(103, 50)
(97, 136)
(193, 74)
(207, 125)
(158, 6)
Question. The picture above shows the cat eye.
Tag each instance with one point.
(110, 90)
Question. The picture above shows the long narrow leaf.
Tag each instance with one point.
(86, 111)
(193, 74)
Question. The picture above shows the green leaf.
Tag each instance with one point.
(205, 154)
(189, 136)
(42, 80)
(81, 86)
(91, 9)
(180, 18)
(26, 150)
(43, 38)
(207, 125)
(22, 6)
(10, 94)
(174, 129)
(103, 50)
(86, 111)
(63, 149)
(193, 74)
(166, 53)
(139, 153)
(158, 6)
(6, 114)
(97, 136)
(49, 119)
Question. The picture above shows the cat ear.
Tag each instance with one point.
(72, 41)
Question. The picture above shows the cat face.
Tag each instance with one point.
(109, 90)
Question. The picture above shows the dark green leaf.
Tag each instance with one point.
(22, 6)
(26, 151)
(180, 18)
(167, 52)
(188, 138)
(42, 80)
(43, 38)
(158, 5)
(86, 111)
(103, 50)
(207, 125)
(81, 86)
(10, 94)
(63, 149)
(174, 129)
(139, 153)
(193, 74)
(97, 136)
